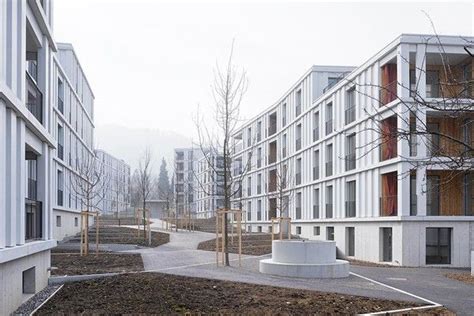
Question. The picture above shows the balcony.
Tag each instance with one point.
(32, 69)
(350, 161)
(298, 144)
(350, 208)
(34, 99)
(388, 93)
(329, 127)
(316, 211)
(328, 168)
(329, 212)
(349, 114)
(33, 220)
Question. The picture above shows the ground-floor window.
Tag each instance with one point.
(259, 229)
(350, 241)
(330, 233)
(298, 230)
(316, 230)
(386, 244)
(76, 222)
(58, 221)
(438, 245)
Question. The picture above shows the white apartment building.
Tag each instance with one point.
(184, 176)
(208, 184)
(73, 128)
(371, 202)
(27, 146)
(116, 172)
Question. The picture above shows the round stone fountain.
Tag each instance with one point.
(305, 259)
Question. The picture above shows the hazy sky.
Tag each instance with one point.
(150, 62)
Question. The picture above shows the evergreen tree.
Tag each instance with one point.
(163, 181)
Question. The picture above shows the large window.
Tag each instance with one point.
(298, 206)
(316, 165)
(298, 171)
(259, 210)
(350, 241)
(283, 115)
(432, 195)
(413, 196)
(329, 212)
(60, 185)
(60, 142)
(329, 160)
(350, 152)
(298, 137)
(315, 126)
(330, 233)
(349, 113)
(316, 203)
(351, 199)
(298, 103)
(329, 125)
(249, 210)
(438, 245)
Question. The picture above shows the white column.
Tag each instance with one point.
(420, 191)
(11, 178)
(3, 169)
(420, 71)
(21, 182)
(43, 185)
(403, 189)
(403, 71)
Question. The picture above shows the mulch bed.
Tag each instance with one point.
(74, 264)
(463, 277)
(256, 245)
(164, 294)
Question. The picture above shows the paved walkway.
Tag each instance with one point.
(180, 256)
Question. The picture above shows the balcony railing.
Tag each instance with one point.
(298, 178)
(259, 162)
(350, 208)
(283, 121)
(349, 114)
(32, 189)
(298, 110)
(33, 220)
(60, 197)
(60, 151)
(259, 189)
(315, 134)
(259, 215)
(34, 99)
(32, 69)
(329, 128)
(328, 168)
(272, 186)
(283, 152)
(272, 158)
(388, 205)
(60, 105)
(315, 173)
(298, 144)
(350, 161)
(388, 93)
(329, 212)
(272, 130)
(316, 211)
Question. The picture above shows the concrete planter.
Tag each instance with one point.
(304, 259)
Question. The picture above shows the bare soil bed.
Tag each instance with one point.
(74, 264)
(463, 277)
(164, 294)
(124, 235)
(252, 244)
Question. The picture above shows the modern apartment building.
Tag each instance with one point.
(116, 195)
(352, 179)
(72, 125)
(208, 184)
(27, 145)
(184, 176)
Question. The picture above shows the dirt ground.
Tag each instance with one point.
(163, 294)
(124, 235)
(463, 277)
(74, 264)
(252, 244)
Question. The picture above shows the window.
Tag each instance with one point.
(432, 195)
(386, 244)
(283, 115)
(316, 230)
(350, 241)
(259, 210)
(329, 127)
(29, 281)
(329, 160)
(316, 203)
(351, 199)
(76, 222)
(272, 124)
(330, 233)
(60, 96)
(259, 157)
(315, 126)
(249, 210)
(468, 188)
(413, 196)
(60, 185)
(329, 202)
(388, 145)
(298, 230)
(249, 137)
(60, 142)
(249, 186)
(389, 198)
(259, 131)
(298, 137)
(298, 171)
(249, 163)
(298, 206)
(259, 229)
(433, 139)
(438, 245)
(283, 146)
(349, 113)
(58, 221)
(298, 103)
(350, 152)
(316, 165)
(259, 183)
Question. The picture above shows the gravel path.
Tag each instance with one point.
(34, 302)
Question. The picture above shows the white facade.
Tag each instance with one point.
(116, 195)
(209, 186)
(73, 128)
(184, 177)
(26, 149)
(317, 132)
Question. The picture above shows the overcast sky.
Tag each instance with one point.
(150, 63)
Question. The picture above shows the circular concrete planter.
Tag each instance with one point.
(305, 259)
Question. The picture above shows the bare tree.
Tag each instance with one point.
(89, 184)
(145, 183)
(229, 87)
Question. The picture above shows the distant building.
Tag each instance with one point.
(209, 185)
(115, 198)
(184, 173)
(157, 208)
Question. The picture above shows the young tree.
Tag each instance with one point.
(145, 184)
(90, 184)
(229, 87)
